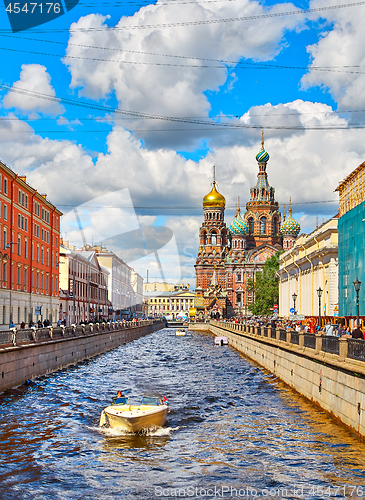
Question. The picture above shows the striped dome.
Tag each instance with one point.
(290, 227)
(238, 226)
(262, 156)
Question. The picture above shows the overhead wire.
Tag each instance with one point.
(138, 114)
(198, 22)
(222, 65)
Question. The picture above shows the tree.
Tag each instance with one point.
(265, 287)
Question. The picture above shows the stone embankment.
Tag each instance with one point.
(327, 370)
(27, 354)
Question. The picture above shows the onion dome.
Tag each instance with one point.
(214, 199)
(290, 227)
(262, 156)
(238, 226)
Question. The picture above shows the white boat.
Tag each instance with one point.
(221, 341)
(180, 333)
(150, 414)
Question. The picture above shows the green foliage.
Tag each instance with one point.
(265, 287)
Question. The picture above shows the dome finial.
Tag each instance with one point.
(284, 214)
(262, 140)
(214, 199)
(238, 207)
(290, 210)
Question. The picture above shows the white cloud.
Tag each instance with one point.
(304, 165)
(170, 90)
(33, 77)
(341, 48)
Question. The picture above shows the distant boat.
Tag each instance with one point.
(221, 341)
(180, 333)
(150, 414)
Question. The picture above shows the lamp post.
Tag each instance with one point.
(294, 300)
(319, 293)
(357, 285)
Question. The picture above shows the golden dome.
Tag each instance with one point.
(214, 199)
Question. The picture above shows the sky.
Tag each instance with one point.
(119, 110)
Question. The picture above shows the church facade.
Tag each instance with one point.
(228, 258)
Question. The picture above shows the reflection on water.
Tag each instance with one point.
(230, 425)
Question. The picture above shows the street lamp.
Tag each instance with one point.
(319, 293)
(357, 285)
(294, 300)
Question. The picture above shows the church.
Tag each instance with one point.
(229, 257)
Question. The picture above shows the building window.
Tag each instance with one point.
(47, 257)
(19, 245)
(19, 281)
(214, 238)
(26, 224)
(37, 254)
(5, 212)
(26, 249)
(251, 226)
(19, 221)
(4, 238)
(37, 280)
(25, 278)
(42, 283)
(5, 276)
(263, 225)
(6, 186)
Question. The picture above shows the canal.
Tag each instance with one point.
(233, 431)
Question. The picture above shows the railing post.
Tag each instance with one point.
(301, 339)
(278, 334)
(256, 330)
(288, 336)
(343, 348)
(319, 340)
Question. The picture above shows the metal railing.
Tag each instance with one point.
(310, 340)
(295, 338)
(25, 336)
(356, 349)
(330, 344)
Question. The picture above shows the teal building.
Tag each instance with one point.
(351, 242)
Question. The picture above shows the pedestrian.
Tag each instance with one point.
(357, 332)
(22, 325)
(341, 331)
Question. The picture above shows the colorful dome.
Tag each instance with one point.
(214, 199)
(290, 227)
(262, 156)
(238, 226)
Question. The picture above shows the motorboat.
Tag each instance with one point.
(180, 333)
(120, 415)
(221, 341)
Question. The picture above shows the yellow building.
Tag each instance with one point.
(170, 303)
(312, 263)
(352, 190)
(164, 287)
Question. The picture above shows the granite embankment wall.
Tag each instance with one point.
(27, 354)
(328, 371)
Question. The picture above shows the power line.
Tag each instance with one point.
(179, 207)
(198, 23)
(137, 114)
(222, 65)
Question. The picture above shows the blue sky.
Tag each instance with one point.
(300, 77)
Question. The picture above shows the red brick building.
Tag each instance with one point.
(29, 252)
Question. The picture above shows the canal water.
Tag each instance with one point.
(233, 431)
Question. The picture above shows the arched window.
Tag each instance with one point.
(214, 238)
(251, 226)
(275, 226)
(263, 225)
